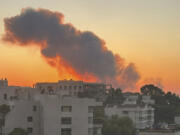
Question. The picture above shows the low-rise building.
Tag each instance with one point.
(141, 115)
(147, 100)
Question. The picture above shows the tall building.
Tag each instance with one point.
(53, 114)
(50, 111)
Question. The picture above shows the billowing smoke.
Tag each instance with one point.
(75, 54)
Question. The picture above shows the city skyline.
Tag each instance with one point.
(144, 33)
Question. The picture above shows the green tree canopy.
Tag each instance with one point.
(18, 131)
(118, 126)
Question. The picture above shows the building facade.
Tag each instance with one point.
(49, 112)
(142, 116)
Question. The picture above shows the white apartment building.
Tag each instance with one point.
(141, 115)
(148, 100)
(48, 113)
(131, 100)
(53, 114)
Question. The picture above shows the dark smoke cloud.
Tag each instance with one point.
(84, 51)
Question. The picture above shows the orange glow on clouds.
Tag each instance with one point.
(67, 72)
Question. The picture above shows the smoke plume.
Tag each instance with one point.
(76, 54)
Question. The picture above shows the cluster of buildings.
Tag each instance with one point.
(57, 108)
(142, 114)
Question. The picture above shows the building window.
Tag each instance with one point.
(66, 108)
(66, 131)
(65, 87)
(140, 113)
(29, 129)
(66, 120)
(5, 96)
(149, 111)
(125, 112)
(95, 131)
(140, 118)
(90, 109)
(70, 87)
(80, 87)
(90, 120)
(90, 131)
(34, 108)
(75, 87)
(30, 119)
(60, 87)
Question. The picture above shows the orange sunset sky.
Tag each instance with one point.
(144, 32)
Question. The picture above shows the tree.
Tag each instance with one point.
(4, 109)
(151, 90)
(114, 96)
(18, 131)
(118, 126)
(167, 105)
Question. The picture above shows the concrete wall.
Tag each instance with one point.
(51, 114)
(17, 117)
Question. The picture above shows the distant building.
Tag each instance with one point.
(134, 98)
(131, 100)
(3, 83)
(147, 100)
(74, 88)
(141, 115)
(135, 106)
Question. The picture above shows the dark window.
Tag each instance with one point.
(5, 96)
(60, 87)
(75, 87)
(70, 87)
(30, 119)
(90, 109)
(66, 120)
(90, 120)
(95, 131)
(34, 108)
(66, 131)
(125, 112)
(66, 108)
(29, 129)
